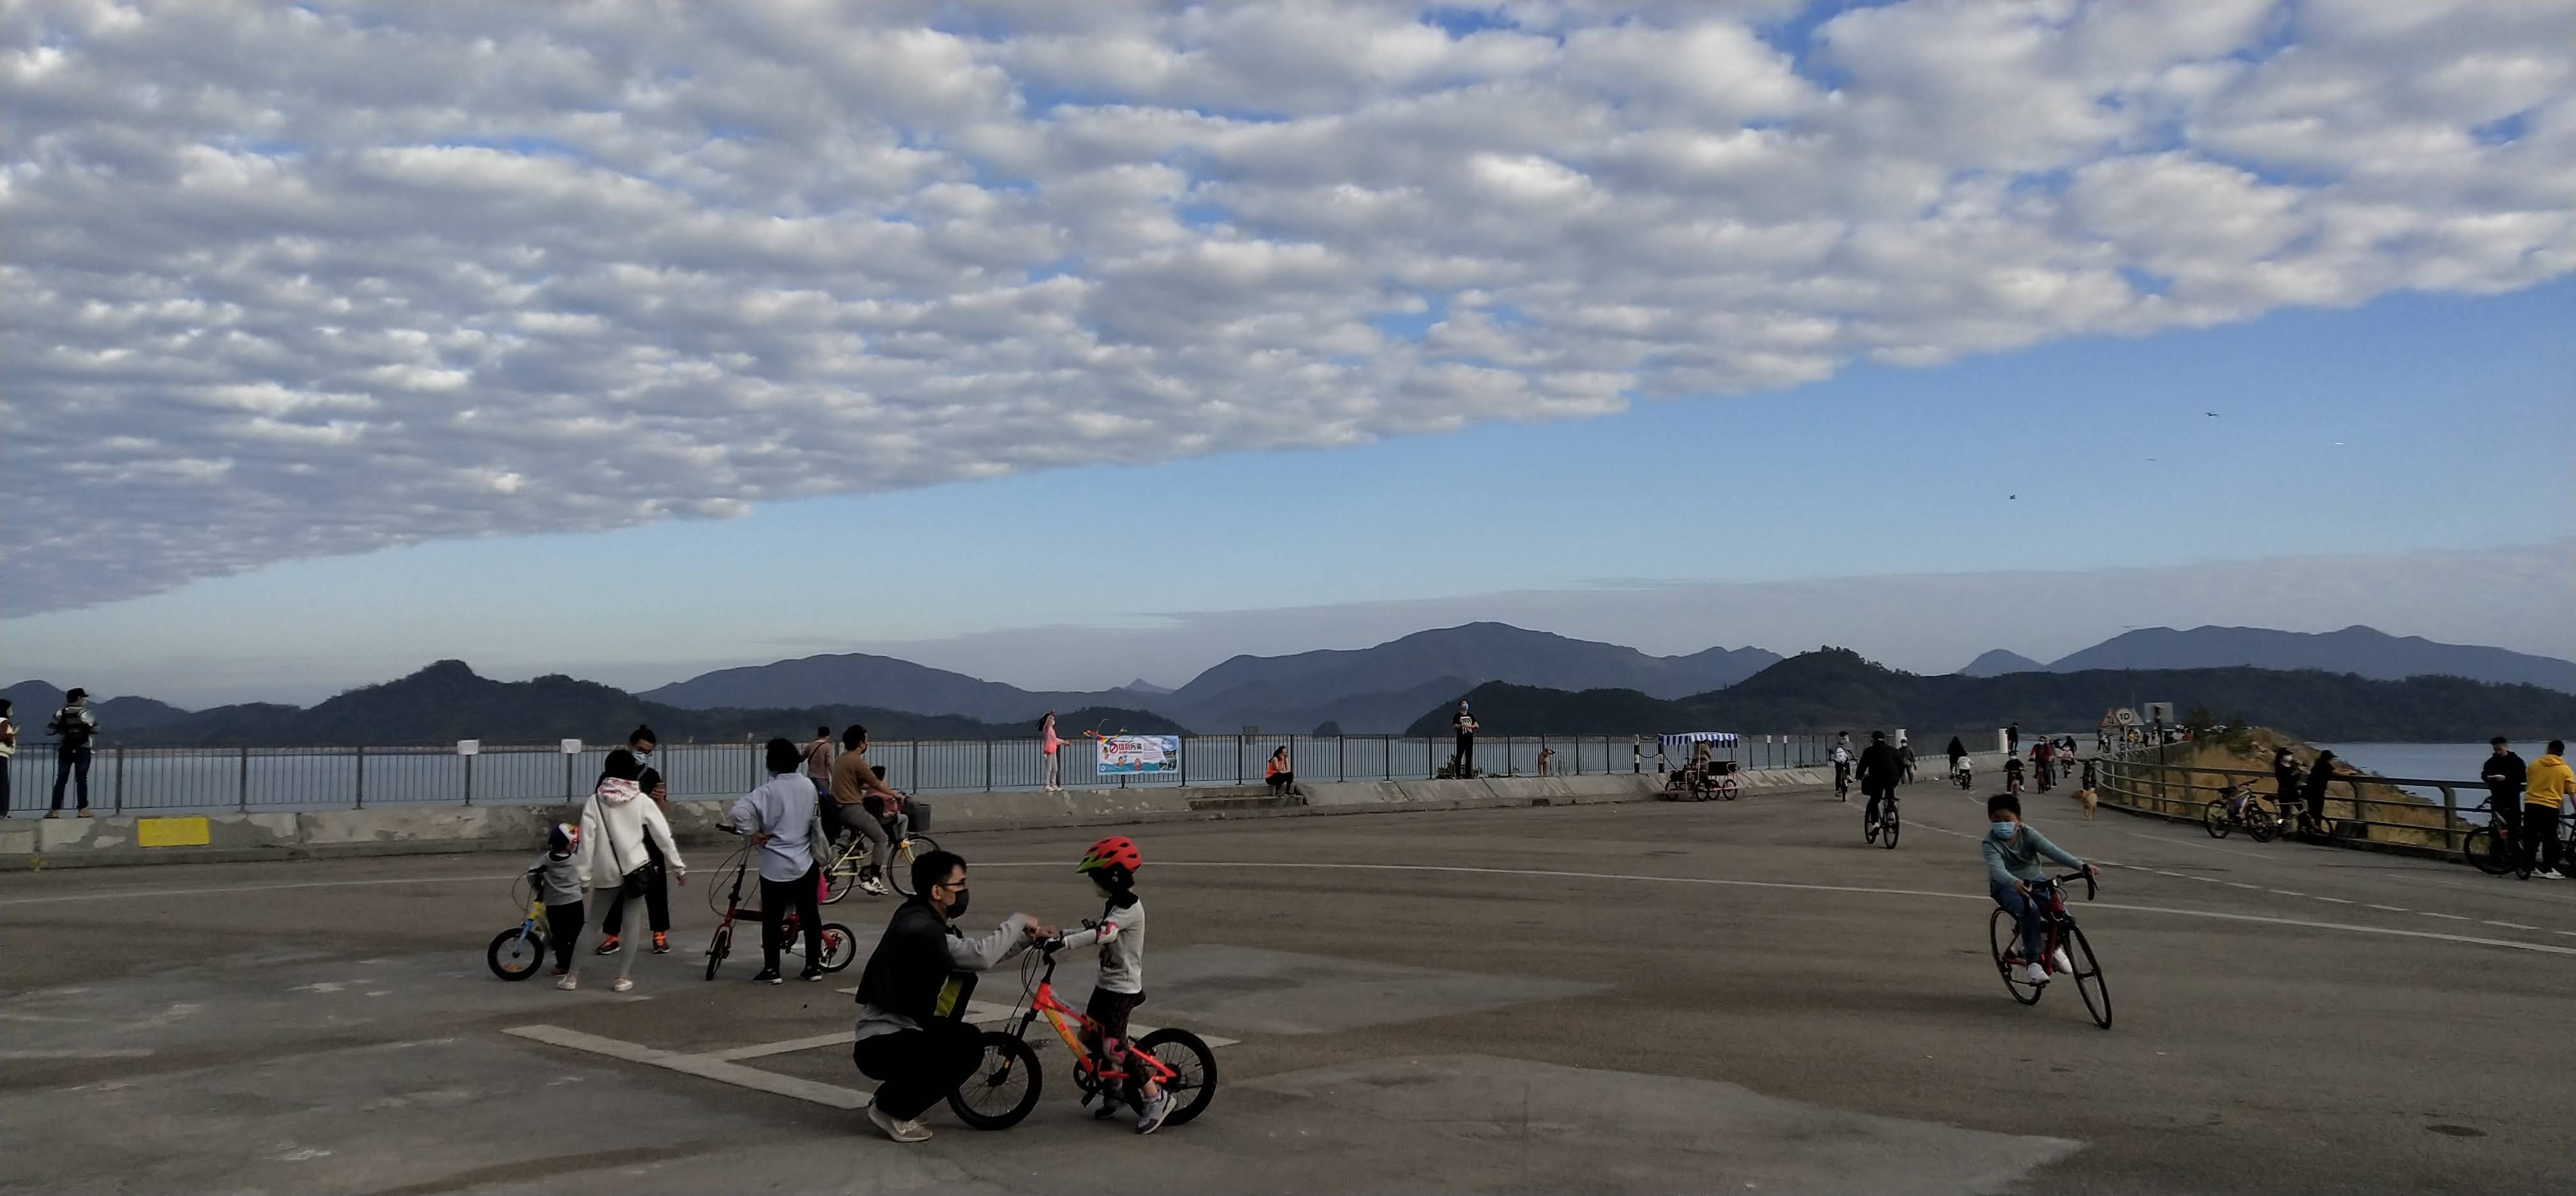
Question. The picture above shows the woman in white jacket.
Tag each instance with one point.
(614, 824)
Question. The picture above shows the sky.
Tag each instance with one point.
(1066, 346)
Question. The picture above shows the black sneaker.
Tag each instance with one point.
(810, 975)
(768, 976)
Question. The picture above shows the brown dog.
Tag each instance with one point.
(2091, 800)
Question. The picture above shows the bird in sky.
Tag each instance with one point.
(2210, 414)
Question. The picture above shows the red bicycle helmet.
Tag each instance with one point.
(1116, 851)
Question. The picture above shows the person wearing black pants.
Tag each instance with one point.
(909, 1037)
(563, 931)
(779, 817)
(1466, 727)
(804, 895)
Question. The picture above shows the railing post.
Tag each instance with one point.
(469, 780)
(2450, 818)
(120, 777)
(245, 778)
(361, 796)
(988, 764)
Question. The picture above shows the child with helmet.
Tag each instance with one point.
(556, 876)
(1120, 931)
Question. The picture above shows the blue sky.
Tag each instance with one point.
(1110, 340)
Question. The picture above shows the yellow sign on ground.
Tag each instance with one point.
(170, 832)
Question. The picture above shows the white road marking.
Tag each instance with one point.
(2238, 884)
(2431, 914)
(133, 894)
(2336, 900)
(108, 1053)
(2394, 909)
(701, 1066)
(1791, 886)
(2513, 925)
(2286, 892)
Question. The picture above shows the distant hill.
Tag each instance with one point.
(884, 682)
(1297, 690)
(1836, 690)
(1366, 690)
(448, 701)
(1999, 662)
(2359, 650)
(34, 702)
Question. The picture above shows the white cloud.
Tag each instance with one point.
(284, 282)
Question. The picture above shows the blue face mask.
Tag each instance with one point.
(2003, 830)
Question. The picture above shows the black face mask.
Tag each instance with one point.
(957, 908)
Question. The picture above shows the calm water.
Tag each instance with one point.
(2430, 761)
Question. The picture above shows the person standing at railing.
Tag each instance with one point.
(2544, 797)
(2285, 777)
(73, 727)
(2504, 774)
(1050, 754)
(1465, 725)
(2321, 774)
(818, 762)
(8, 751)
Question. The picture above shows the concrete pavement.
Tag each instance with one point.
(1649, 997)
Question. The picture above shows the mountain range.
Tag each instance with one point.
(2361, 651)
(1836, 690)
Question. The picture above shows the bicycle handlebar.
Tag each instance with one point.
(2078, 874)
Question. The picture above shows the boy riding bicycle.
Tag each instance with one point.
(1120, 931)
(2013, 851)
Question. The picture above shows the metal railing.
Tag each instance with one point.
(132, 778)
(2371, 809)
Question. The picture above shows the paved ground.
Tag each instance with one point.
(1647, 997)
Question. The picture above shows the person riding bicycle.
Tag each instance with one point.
(1120, 932)
(1880, 770)
(1841, 757)
(2012, 773)
(912, 1037)
(2043, 763)
(861, 800)
(2013, 851)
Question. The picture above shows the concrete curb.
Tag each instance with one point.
(344, 834)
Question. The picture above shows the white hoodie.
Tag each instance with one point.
(613, 826)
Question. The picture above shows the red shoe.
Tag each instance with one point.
(608, 945)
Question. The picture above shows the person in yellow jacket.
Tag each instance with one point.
(2543, 796)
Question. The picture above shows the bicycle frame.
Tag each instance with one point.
(1043, 1003)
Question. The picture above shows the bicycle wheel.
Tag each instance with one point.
(1869, 826)
(717, 947)
(2213, 817)
(2261, 824)
(839, 947)
(2088, 973)
(1004, 1086)
(2486, 854)
(1193, 1082)
(516, 953)
(1887, 827)
(839, 877)
(2003, 934)
(899, 865)
(1725, 789)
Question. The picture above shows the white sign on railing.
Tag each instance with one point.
(572, 747)
(469, 747)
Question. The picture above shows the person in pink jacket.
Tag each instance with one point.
(615, 824)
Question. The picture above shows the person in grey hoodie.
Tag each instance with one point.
(2013, 851)
(556, 876)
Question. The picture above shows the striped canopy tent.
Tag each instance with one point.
(1680, 745)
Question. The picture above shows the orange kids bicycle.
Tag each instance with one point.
(1006, 1083)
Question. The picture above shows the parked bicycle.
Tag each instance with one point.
(1006, 1084)
(2240, 809)
(2495, 848)
(2003, 933)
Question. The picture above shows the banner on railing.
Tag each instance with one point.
(1131, 755)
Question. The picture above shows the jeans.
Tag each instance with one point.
(72, 762)
(563, 931)
(657, 896)
(2031, 915)
(779, 896)
(916, 1069)
(2539, 845)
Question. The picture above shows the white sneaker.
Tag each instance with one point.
(900, 1131)
(2058, 957)
(2550, 874)
(872, 886)
(2036, 974)
(621, 985)
(568, 983)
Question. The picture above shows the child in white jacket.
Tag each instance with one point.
(614, 824)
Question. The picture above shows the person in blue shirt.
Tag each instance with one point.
(779, 817)
(2013, 853)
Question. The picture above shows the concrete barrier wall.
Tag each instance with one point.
(79, 842)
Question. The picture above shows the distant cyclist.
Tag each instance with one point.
(1841, 757)
(1958, 752)
(1880, 769)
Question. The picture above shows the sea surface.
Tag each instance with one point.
(2458, 762)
